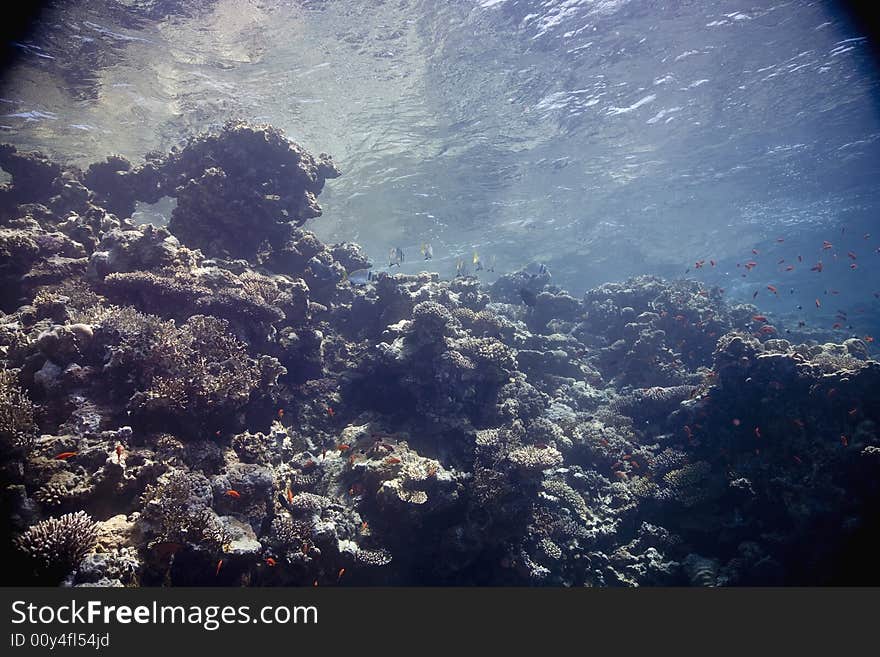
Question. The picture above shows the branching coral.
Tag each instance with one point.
(57, 545)
(17, 425)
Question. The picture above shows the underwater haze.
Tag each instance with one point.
(604, 137)
(472, 292)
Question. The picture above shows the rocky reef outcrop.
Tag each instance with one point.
(214, 402)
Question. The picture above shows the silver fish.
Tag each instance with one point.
(461, 268)
(395, 256)
(427, 251)
(360, 277)
(536, 269)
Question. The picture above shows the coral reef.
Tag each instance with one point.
(216, 403)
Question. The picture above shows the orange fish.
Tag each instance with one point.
(759, 318)
(280, 413)
(392, 460)
(341, 573)
(343, 447)
(233, 493)
(750, 264)
(289, 495)
(364, 526)
(270, 561)
(118, 453)
(219, 566)
(772, 288)
(63, 456)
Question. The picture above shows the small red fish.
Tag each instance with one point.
(688, 432)
(781, 262)
(759, 318)
(341, 573)
(818, 304)
(330, 411)
(219, 566)
(772, 288)
(757, 432)
(797, 459)
(750, 264)
(798, 423)
(119, 453)
(844, 440)
(392, 460)
(270, 561)
(280, 413)
(868, 338)
(289, 495)
(315, 583)
(755, 251)
(736, 422)
(853, 266)
(342, 447)
(789, 268)
(836, 325)
(233, 493)
(826, 245)
(853, 411)
(63, 456)
(851, 255)
(767, 329)
(217, 433)
(816, 267)
(364, 526)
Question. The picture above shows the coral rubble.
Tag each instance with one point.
(215, 403)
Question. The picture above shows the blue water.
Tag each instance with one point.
(604, 138)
